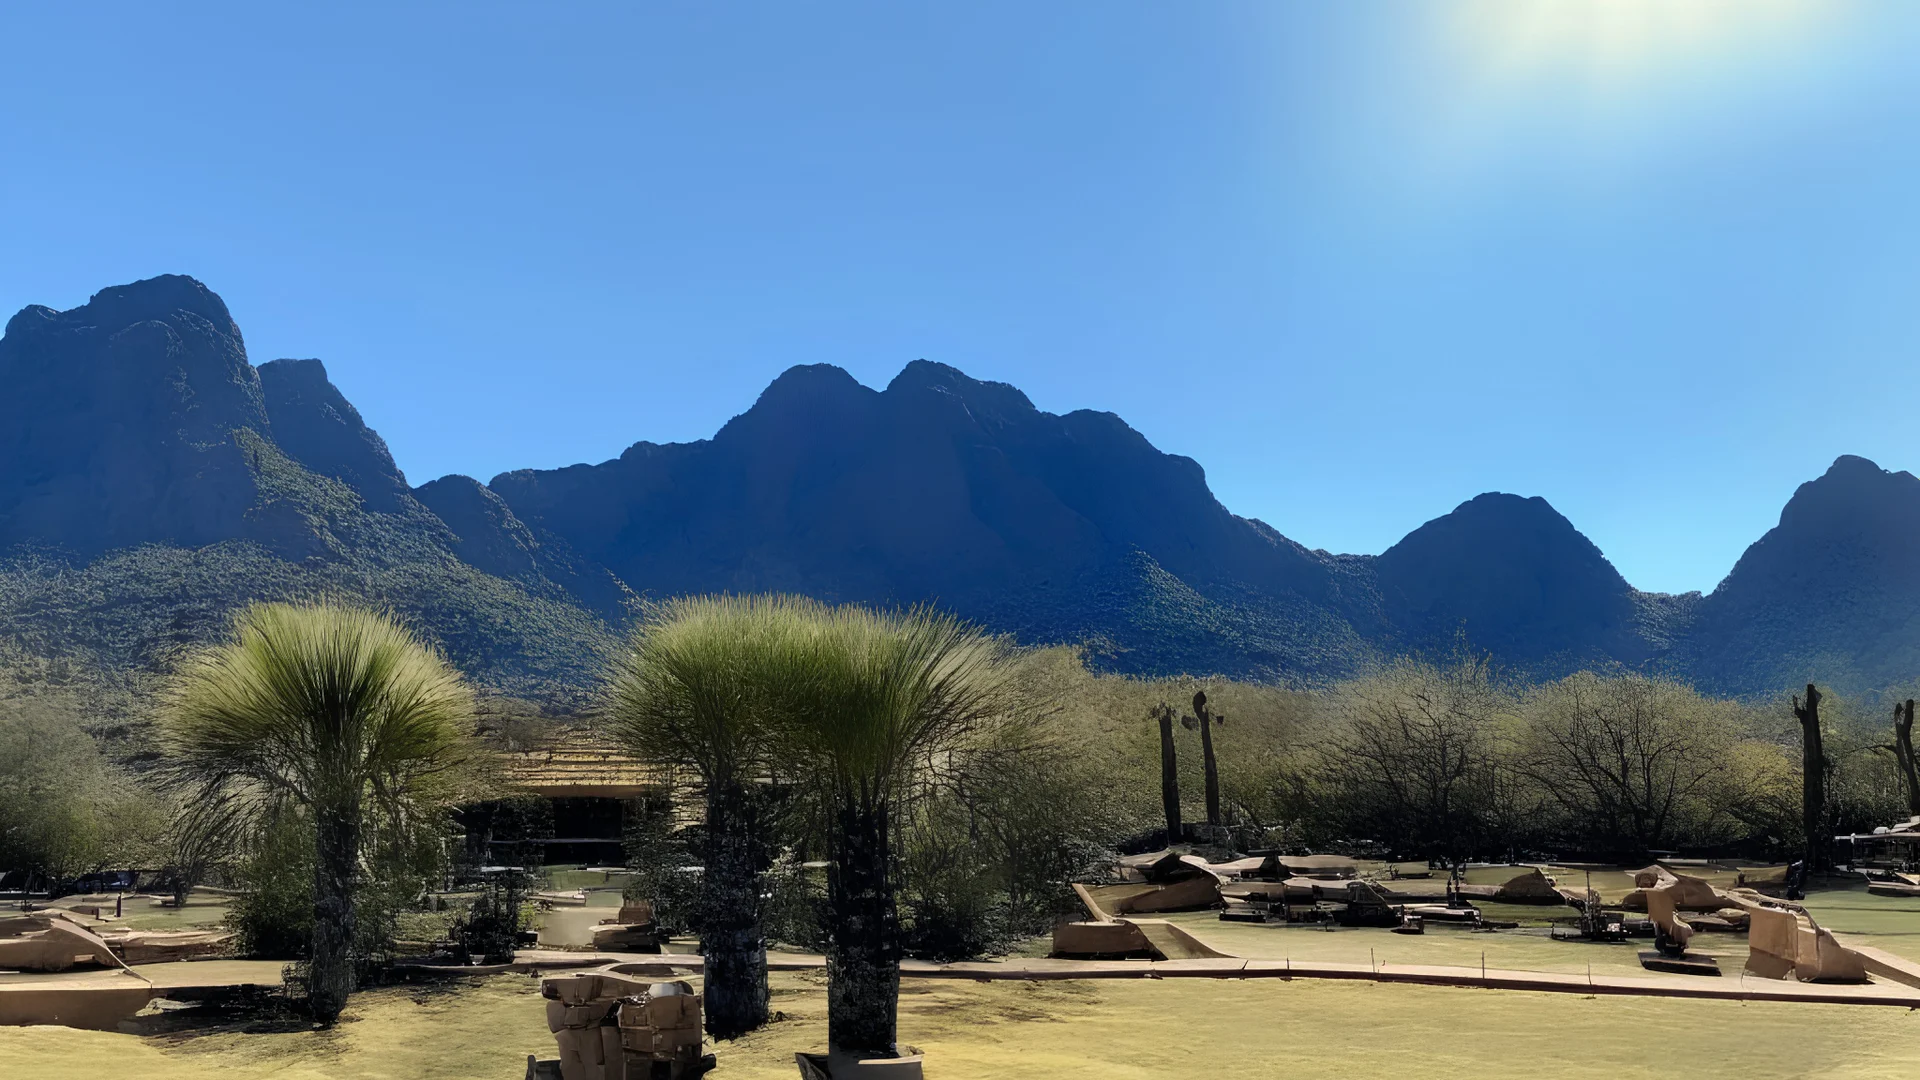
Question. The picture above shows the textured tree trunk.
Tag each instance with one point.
(1813, 777)
(863, 962)
(731, 938)
(1205, 719)
(336, 872)
(1169, 775)
(1903, 749)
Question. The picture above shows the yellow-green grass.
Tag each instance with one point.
(1523, 950)
(1113, 1030)
(1887, 922)
(575, 877)
(204, 910)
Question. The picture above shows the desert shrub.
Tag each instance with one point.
(490, 928)
(1628, 763)
(996, 830)
(65, 810)
(953, 880)
(659, 855)
(1416, 758)
(271, 914)
(795, 913)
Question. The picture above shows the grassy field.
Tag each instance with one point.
(1108, 1030)
(485, 1027)
(1888, 922)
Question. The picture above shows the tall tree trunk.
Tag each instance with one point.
(1169, 774)
(336, 872)
(1813, 778)
(1903, 749)
(863, 962)
(1205, 720)
(732, 940)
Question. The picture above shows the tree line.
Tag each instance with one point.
(952, 784)
(1444, 759)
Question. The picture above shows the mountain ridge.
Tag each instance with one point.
(144, 441)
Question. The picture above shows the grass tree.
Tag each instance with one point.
(690, 689)
(334, 711)
(864, 701)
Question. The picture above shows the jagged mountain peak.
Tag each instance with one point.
(1853, 493)
(117, 420)
(982, 397)
(318, 427)
(155, 298)
(802, 396)
(1828, 593)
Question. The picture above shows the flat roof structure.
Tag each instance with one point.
(582, 765)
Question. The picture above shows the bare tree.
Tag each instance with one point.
(1169, 771)
(1813, 776)
(1903, 753)
(1625, 756)
(1412, 755)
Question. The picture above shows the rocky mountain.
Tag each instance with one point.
(152, 478)
(946, 489)
(1519, 579)
(1830, 593)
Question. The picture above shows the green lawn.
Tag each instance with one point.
(1112, 1030)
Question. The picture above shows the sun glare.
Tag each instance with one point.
(1601, 87)
(1614, 48)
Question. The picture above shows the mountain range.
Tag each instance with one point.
(152, 478)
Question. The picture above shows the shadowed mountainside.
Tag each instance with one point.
(151, 479)
(1523, 581)
(946, 489)
(1832, 592)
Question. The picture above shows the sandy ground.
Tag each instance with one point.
(486, 1027)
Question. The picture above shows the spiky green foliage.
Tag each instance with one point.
(692, 689)
(865, 695)
(864, 700)
(320, 703)
(65, 809)
(692, 686)
(335, 710)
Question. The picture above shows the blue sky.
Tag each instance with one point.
(1657, 261)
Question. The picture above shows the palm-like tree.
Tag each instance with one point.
(691, 689)
(863, 702)
(335, 710)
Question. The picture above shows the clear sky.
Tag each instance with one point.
(1657, 261)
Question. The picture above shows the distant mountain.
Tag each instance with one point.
(947, 489)
(1831, 593)
(151, 479)
(1520, 580)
